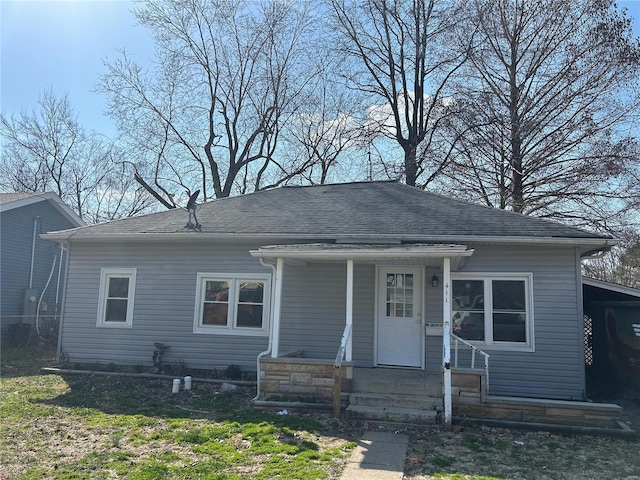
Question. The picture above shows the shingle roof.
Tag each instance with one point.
(350, 210)
(12, 197)
(13, 201)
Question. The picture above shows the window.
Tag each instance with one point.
(230, 304)
(115, 302)
(399, 301)
(494, 310)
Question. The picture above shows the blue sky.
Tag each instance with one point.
(61, 45)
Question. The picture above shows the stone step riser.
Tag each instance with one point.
(397, 388)
(393, 414)
(407, 401)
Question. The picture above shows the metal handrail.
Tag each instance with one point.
(474, 350)
(343, 346)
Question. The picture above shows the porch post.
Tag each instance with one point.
(446, 339)
(349, 320)
(277, 300)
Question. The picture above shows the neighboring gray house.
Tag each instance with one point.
(612, 336)
(288, 269)
(26, 261)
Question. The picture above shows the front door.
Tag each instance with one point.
(400, 335)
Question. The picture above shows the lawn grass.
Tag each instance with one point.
(111, 427)
(86, 427)
(469, 452)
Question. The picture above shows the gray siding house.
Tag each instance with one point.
(397, 276)
(26, 260)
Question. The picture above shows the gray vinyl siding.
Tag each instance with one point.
(555, 369)
(164, 305)
(433, 315)
(313, 311)
(16, 236)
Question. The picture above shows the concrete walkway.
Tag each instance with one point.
(378, 456)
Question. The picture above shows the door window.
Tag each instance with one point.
(399, 302)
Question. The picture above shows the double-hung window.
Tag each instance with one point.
(115, 301)
(493, 310)
(232, 304)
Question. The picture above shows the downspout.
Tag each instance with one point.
(268, 350)
(64, 296)
(33, 251)
(57, 309)
(44, 290)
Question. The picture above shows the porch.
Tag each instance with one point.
(383, 393)
(397, 359)
(406, 319)
(415, 396)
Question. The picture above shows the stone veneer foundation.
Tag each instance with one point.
(294, 378)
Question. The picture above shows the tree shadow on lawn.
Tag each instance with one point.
(115, 395)
(24, 361)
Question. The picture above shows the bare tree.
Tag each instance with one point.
(547, 106)
(47, 150)
(325, 139)
(227, 76)
(621, 265)
(402, 63)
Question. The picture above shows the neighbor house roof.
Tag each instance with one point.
(349, 212)
(613, 290)
(7, 198)
(11, 201)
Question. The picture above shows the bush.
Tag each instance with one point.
(233, 372)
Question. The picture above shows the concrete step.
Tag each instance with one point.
(418, 402)
(372, 385)
(392, 414)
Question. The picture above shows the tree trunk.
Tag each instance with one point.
(410, 165)
(516, 133)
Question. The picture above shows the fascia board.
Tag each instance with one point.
(364, 254)
(203, 236)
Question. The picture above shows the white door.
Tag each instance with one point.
(400, 333)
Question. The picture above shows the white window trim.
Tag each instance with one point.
(231, 328)
(105, 275)
(489, 344)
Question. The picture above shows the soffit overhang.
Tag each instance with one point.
(359, 252)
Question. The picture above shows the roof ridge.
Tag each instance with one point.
(340, 184)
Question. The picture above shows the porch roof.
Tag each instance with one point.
(366, 252)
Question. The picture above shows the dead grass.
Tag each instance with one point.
(108, 427)
(472, 452)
